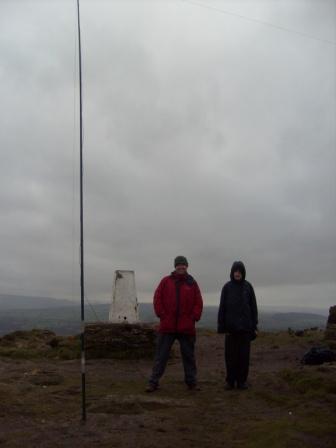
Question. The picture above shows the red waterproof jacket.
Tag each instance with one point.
(178, 303)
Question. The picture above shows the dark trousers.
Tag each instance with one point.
(163, 347)
(237, 357)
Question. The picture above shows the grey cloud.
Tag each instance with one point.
(203, 135)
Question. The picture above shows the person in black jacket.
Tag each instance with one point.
(238, 319)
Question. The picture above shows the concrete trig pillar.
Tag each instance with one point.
(124, 307)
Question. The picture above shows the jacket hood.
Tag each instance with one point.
(238, 266)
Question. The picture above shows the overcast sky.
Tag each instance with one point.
(208, 132)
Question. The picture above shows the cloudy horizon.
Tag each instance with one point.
(209, 131)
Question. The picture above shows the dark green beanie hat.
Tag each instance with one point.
(180, 259)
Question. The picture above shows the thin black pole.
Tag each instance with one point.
(81, 221)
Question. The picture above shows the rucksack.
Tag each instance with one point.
(318, 355)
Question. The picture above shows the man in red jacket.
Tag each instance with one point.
(178, 304)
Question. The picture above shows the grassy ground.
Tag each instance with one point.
(287, 405)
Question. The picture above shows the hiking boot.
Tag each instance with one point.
(151, 388)
(242, 386)
(229, 386)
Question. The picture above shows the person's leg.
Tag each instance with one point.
(187, 347)
(243, 359)
(231, 359)
(163, 346)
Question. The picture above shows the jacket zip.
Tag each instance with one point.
(177, 287)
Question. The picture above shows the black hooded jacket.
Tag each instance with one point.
(238, 307)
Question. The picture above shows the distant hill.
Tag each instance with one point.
(13, 302)
(63, 317)
(271, 321)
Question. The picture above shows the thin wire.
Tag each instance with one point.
(92, 309)
(260, 22)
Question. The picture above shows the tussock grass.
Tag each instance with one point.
(309, 381)
(36, 344)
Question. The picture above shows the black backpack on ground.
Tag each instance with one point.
(318, 355)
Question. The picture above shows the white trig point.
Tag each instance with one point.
(124, 307)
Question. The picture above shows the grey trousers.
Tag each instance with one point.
(163, 347)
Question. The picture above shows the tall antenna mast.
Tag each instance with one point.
(81, 220)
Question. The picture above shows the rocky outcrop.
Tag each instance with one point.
(121, 341)
(331, 324)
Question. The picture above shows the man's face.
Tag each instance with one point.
(237, 275)
(181, 269)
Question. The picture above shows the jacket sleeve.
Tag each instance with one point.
(198, 306)
(254, 308)
(221, 313)
(157, 301)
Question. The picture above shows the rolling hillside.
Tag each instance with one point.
(63, 317)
